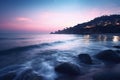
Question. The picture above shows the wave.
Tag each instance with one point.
(9, 69)
(24, 48)
(57, 42)
(13, 38)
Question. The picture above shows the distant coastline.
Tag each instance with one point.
(99, 25)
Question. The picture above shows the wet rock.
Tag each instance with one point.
(8, 76)
(118, 47)
(28, 74)
(68, 69)
(107, 76)
(109, 56)
(66, 78)
(117, 51)
(85, 58)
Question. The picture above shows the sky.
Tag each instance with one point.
(46, 16)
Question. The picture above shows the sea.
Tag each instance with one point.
(42, 52)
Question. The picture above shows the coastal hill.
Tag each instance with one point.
(99, 25)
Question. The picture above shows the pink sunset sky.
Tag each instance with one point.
(54, 18)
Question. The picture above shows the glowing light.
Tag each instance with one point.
(89, 27)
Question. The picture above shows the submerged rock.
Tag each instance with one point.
(109, 56)
(117, 51)
(8, 76)
(68, 69)
(107, 76)
(85, 58)
(118, 47)
(28, 74)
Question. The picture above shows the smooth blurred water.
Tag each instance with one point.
(42, 52)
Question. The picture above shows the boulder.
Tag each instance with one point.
(85, 58)
(28, 74)
(8, 76)
(68, 69)
(107, 76)
(109, 56)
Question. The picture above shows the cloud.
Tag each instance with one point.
(23, 19)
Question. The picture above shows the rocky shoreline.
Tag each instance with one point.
(69, 71)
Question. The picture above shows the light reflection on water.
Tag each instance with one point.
(116, 38)
(101, 37)
(86, 39)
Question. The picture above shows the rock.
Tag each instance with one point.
(85, 58)
(68, 69)
(107, 76)
(28, 74)
(66, 78)
(109, 56)
(8, 76)
(117, 51)
(118, 47)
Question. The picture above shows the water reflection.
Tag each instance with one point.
(101, 37)
(116, 38)
(87, 39)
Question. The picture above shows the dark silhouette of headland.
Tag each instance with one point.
(99, 25)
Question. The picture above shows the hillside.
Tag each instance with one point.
(103, 24)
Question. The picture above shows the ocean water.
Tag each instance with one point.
(42, 52)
